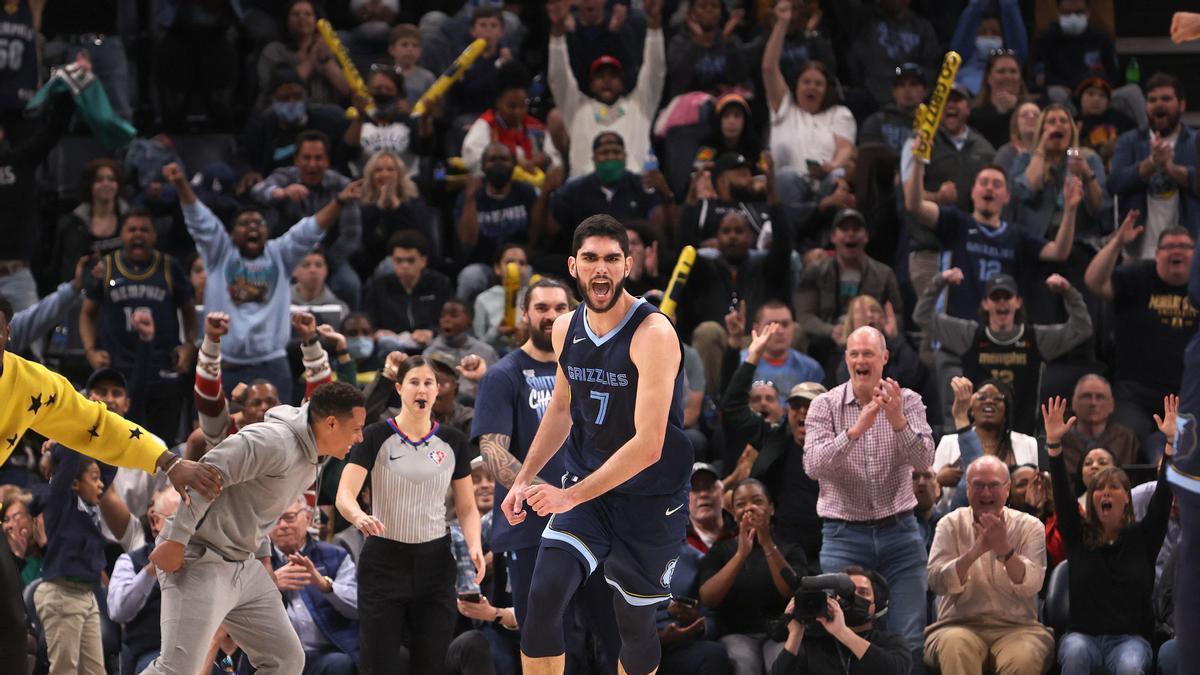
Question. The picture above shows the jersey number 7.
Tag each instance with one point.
(601, 396)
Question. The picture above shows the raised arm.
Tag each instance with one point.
(1069, 522)
(773, 81)
(1098, 276)
(1060, 249)
(925, 211)
(1057, 339)
(954, 333)
(653, 74)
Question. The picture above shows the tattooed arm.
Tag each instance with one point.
(499, 462)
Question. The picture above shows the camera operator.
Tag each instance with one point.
(842, 648)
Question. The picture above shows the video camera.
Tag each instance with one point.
(812, 602)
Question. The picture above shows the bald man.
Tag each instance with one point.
(987, 565)
(865, 439)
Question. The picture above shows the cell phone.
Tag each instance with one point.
(690, 603)
(469, 597)
(812, 164)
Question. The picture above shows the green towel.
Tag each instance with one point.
(91, 100)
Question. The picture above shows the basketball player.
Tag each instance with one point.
(618, 406)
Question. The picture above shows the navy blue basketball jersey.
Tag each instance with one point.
(18, 57)
(604, 383)
(159, 287)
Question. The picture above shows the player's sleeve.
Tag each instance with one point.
(65, 416)
(241, 457)
(363, 454)
(462, 451)
(496, 417)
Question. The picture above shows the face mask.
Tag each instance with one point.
(360, 347)
(858, 612)
(289, 112)
(498, 175)
(984, 44)
(610, 170)
(1073, 24)
(385, 102)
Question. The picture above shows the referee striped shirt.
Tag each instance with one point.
(410, 476)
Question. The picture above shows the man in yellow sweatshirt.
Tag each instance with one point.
(33, 397)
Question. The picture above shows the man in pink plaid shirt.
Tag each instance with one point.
(864, 440)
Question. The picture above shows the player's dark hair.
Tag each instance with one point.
(311, 135)
(600, 225)
(546, 282)
(335, 399)
(411, 239)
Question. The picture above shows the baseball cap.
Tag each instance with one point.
(728, 161)
(1000, 282)
(960, 89)
(806, 390)
(605, 61)
(105, 375)
(705, 466)
(851, 215)
(909, 70)
(443, 362)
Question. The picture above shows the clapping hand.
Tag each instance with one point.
(960, 410)
(891, 401)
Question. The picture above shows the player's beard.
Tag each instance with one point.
(618, 289)
(541, 337)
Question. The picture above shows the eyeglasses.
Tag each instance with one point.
(247, 222)
(289, 517)
(990, 485)
(1179, 246)
(385, 68)
(763, 383)
(1001, 51)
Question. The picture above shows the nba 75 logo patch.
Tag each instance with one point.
(436, 456)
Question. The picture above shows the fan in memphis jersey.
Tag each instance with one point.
(618, 406)
(981, 243)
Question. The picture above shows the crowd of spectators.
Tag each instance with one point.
(867, 336)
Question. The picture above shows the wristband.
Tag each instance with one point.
(1053, 446)
(340, 353)
(1007, 556)
(174, 463)
(499, 620)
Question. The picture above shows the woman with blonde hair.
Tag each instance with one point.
(391, 202)
(904, 365)
(1022, 135)
(1037, 179)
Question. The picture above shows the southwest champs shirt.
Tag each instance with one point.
(517, 391)
(410, 476)
(1154, 323)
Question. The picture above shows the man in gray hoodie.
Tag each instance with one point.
(205, 554)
